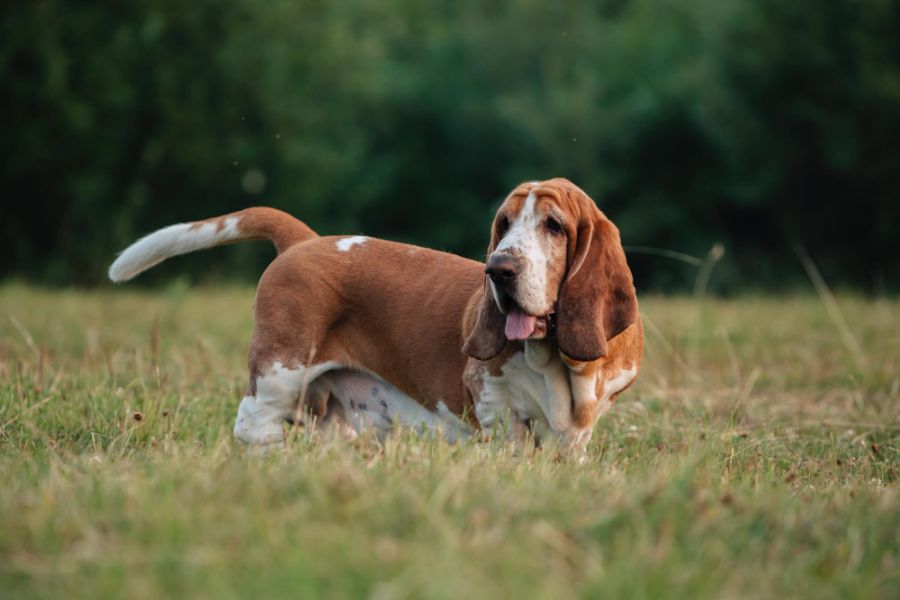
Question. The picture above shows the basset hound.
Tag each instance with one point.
(366, 333)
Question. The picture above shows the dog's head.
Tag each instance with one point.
(553, 256)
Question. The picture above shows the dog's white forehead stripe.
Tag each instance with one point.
(345, 244)
(523, 240)
(521, 228)
(527, 214)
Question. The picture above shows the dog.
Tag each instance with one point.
(362, 333)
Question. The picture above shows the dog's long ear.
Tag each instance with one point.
(597, 300)
(487, 338)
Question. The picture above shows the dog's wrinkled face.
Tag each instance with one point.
(555, 262)
(528, 261)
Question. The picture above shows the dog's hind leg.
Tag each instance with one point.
(272, 399)
(335, 420)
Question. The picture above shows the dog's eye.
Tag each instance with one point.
(553, 226)
(502, 225)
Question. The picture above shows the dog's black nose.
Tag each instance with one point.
(502, 270)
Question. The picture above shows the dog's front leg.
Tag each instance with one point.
(556, 401)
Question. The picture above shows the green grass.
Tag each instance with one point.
(755, 458)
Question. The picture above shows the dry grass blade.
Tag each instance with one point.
(834, 311)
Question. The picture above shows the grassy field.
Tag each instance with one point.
(757, 457)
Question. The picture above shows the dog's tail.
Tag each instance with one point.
(259, 223)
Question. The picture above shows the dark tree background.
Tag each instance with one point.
(755, 123)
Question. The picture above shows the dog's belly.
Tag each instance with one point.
(368, 402)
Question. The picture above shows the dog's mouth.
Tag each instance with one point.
(521, 325)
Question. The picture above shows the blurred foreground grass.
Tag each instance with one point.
(757, 457)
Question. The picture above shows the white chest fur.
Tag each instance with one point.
(532, 386)
(536, 386)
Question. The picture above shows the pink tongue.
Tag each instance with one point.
(519, 325)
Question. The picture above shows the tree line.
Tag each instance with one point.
(759, 124)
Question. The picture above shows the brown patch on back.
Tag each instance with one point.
(392, 309)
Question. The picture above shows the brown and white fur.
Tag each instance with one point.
(363, 332)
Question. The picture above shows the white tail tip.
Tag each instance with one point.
(170, 241)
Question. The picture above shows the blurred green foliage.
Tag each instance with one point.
(757, 123)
